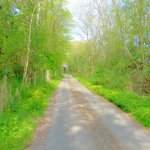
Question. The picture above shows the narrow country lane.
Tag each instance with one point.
(80, 120)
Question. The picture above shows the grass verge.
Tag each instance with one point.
(130, 102)
(18, 123)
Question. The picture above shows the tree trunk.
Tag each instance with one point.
(28, 50)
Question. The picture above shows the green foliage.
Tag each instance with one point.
(115, 52)
(43, 48)
(18, 122)
(34, 39)
(130, 102)
(111, 76)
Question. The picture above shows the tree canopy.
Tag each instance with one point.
(34, 38)
(115, 50)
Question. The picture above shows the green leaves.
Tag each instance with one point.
(115, 52)
(49, 32)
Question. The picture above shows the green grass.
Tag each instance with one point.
(130, 102)
(18, 123)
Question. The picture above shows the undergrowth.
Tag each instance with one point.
(18, 123)
(130, 102)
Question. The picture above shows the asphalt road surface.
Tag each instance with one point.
(80, 120)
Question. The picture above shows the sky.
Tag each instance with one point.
(74, 6)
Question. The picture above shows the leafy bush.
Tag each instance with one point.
(111, 76)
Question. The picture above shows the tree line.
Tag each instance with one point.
(34, 38)
(115, 46)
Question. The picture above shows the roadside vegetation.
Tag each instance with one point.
(136, 105)
(114, 56)
(33, 43)
(18, 123)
